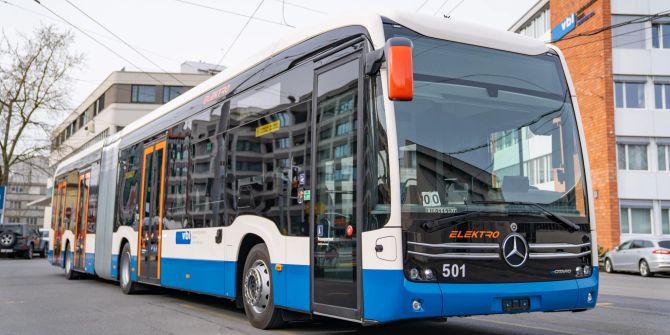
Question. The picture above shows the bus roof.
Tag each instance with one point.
(448, 29)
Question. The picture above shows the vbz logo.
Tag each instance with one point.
(568, 22)
(183, 237)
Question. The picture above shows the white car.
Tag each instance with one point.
(645, 256)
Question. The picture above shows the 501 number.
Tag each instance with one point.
(453, 270)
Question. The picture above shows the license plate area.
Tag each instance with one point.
(516, 305)
(6, 251)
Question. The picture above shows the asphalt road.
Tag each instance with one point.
(35, 298)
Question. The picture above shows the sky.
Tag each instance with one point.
(172, 31)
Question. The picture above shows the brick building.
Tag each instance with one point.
(618, 53)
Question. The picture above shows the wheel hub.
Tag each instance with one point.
(257, 286)
(5, 239)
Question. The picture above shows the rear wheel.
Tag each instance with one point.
(644, 269)
(128, 286)
(29, 253)
(257, 290)
(69, 268)
(43, 254)
(608, 266)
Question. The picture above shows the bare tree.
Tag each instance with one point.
(34, 86)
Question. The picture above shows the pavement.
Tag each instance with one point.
(35, 298)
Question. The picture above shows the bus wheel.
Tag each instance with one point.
(69, 270)
(257, 290)
(128, 286)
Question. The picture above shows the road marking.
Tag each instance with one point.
(604, 304)
(523, 326)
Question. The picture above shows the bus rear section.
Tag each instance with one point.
(494, 206)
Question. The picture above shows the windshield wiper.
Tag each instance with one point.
(449, 221)
(551, 215)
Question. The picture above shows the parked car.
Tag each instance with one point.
(20, 239)
(44, 241)
(645, 256)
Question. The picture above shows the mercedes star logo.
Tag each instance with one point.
(515, 250)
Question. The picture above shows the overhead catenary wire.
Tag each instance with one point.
(233, 13)
(125, 42)
(244, 27)
(641, 19)
(454, 8)
(439, 8)
(304, 7)
(89, 31)
(98, 42)
(421, 6)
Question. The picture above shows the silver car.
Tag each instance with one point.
(645, 256)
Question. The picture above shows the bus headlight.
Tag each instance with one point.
(428, 274)
(587, 270)
(579, 272)
(414, 274)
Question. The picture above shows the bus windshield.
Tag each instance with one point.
(487, 128)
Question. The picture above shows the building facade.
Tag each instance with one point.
(618, 52)
(122, 98)
(27, 183)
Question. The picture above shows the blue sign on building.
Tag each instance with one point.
(563, 28)
(2, 197)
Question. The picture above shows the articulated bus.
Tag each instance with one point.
(378, 168)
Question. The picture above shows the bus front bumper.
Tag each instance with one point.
(388, 296)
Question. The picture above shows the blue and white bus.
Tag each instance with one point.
(378, 168)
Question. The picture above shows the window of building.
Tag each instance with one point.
(663, 157)
(630, 35)
(635, 220)
(143, 94)
(99, 105)
(632, 156)
(660, 35)
(538, 25)
(171, 92)
(665, 221)
(629, 94)
(662, 95)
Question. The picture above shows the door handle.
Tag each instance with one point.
(219, 236)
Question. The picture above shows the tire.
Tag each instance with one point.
(257, 290)
(28, 254)
(7, 240)
(608, 266)
(645, 271)
(128, 286)
(44, 252)
(70, 274)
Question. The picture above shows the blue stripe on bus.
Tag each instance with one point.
(388, 296)
(202, 276)
(50, 255)
(89, 263)
(115, 267)
(291, 285)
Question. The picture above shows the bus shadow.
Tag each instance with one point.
(327, 325)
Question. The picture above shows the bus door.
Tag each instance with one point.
(59, 225)
(81, 222)
(151, 212)
(336, 272)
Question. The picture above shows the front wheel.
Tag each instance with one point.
(608, 266)
(128, 286)
(644, 269)
(257, 290)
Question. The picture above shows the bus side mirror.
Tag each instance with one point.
(400, 69)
